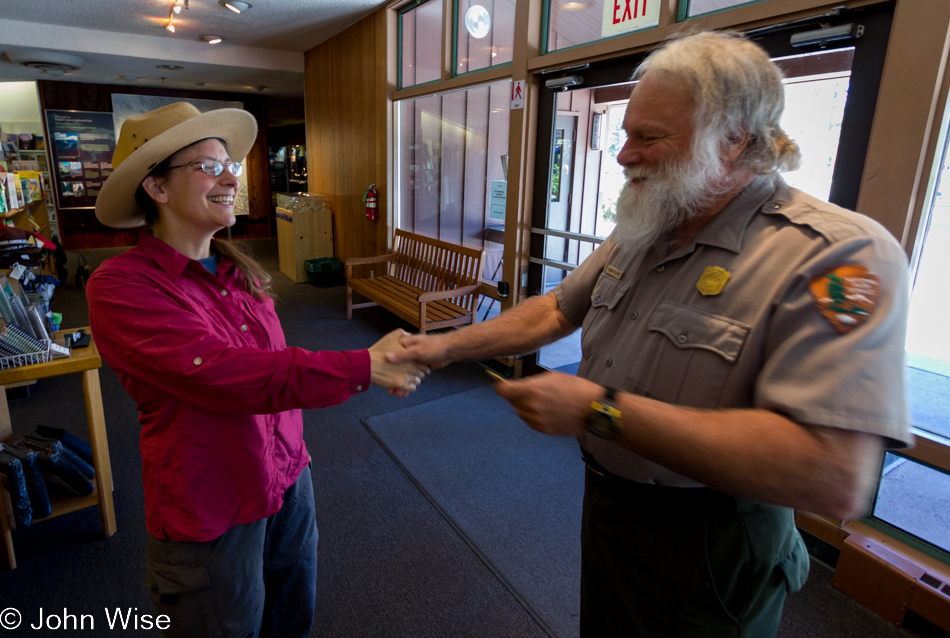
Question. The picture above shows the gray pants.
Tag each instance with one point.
(257, 579)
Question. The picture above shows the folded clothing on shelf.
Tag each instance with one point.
(68, 439)
(35, 485)
(62, 468)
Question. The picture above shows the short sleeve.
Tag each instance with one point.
(573, 294)
(846, 376)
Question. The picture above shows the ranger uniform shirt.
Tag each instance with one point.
(804, 314)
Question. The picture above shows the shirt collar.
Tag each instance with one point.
(727, 229)
(169, 259)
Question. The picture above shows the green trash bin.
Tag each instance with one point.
(325, 271)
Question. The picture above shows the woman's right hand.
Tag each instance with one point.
(400, 378)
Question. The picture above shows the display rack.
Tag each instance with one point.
(87, 362)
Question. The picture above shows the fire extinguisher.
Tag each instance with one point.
(369, 198)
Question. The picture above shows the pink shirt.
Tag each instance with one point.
(218, 391)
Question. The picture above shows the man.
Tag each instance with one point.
(742, 356)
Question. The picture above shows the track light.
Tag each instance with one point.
(236, 5)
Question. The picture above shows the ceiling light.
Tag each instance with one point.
(177, 7)
(129, 78)
(170, 67)
(170, 27)
(477, 21)
(46, 60)
(212, 39)
(198, 83)
(236, 6)
(259, 88)
(573, 5)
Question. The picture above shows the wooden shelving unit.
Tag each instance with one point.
(87, 362)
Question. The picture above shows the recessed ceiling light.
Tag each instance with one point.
(574, 5)
(212, 39)
(198, 83)
(129, 78)
(236, 5)
(170, 67)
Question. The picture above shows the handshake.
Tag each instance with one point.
(399, 364)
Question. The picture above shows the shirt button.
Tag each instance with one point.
(635, 315)
(224, 293)
(660, 268)
(197, 361)
(596, 299)
(244, 327)
(682, 338)
(359, 388)
(610, 362)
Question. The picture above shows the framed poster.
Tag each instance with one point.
(82, 143)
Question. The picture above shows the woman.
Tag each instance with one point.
(186, 322)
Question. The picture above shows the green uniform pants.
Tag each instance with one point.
(680, 562)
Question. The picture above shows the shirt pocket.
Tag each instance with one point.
(694, 356)
(607, 294)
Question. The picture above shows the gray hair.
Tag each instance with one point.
(737, 91)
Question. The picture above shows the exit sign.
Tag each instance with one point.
(626, 15)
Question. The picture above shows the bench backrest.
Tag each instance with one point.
(431, 264)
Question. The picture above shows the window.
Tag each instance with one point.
(420, 44)
(484, 33)
(574, 22)
(915, 499)
(451, 158)
(694, 8)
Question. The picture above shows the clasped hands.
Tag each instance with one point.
(551, 403)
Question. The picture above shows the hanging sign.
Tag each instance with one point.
(517, 95)
(626, 15)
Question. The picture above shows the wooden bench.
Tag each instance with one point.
(431, 284)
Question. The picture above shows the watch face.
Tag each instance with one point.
(602, 425)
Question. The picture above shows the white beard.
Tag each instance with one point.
(664, 197)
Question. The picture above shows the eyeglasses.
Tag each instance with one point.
(214, 167)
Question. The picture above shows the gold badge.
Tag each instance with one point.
(846, 295)
(616, 273)
(713, 280)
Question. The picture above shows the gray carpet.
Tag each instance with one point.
(513, 493)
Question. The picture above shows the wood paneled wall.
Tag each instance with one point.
(80, 228)
(347, 115)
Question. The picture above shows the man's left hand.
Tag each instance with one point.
(552, 403)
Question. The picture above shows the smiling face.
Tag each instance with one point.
(191, 201)
(659, 123)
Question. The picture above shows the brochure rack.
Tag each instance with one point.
(87, 362)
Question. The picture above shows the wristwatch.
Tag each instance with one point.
(603, 418)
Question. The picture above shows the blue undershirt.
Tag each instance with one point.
(210, 264)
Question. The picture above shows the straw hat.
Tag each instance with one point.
(145, 140)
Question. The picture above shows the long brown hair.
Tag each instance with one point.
(256, 278)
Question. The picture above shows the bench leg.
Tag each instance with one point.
(349, 302)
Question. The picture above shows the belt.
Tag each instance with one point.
(662, 498)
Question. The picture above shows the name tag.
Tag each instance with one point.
(616, 273)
